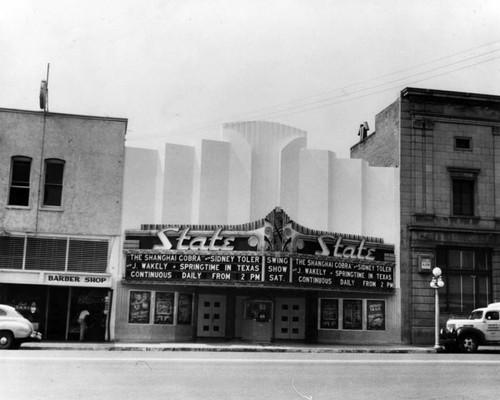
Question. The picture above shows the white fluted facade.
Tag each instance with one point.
(142, 182)
(266, 141)
(261, 165)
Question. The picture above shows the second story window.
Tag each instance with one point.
(463, 191)
(19, 192)
(53, 184)
(463, 197)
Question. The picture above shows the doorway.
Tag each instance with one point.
(57, 315)
(211, 316)
(289, 318)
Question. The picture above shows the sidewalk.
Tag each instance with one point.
(230, 347)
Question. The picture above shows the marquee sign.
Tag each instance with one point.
(274, 251)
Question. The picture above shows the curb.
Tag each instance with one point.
(225, 348)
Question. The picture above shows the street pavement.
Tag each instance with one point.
(229, 347)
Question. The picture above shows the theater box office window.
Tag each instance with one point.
(269, 280)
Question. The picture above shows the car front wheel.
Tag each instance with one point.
(468, 343)
(6, 340)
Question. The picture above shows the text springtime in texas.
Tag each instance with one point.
(293, 271)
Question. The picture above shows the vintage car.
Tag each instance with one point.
(481, 328)
(15, 329)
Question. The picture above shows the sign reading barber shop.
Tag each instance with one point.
(274, 251)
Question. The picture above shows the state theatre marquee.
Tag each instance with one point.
(273, 252)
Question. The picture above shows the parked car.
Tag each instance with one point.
(15, 329)
(481, 328)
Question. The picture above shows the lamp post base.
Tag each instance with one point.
(438, 348)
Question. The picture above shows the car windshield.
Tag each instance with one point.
(476, 315)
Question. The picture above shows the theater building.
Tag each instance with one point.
(264, 281)
(259, 238)
(61, 182)
(446, 148)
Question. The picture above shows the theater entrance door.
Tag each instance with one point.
(289, 318)
(211, 316)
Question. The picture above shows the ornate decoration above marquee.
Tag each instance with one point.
(276, 232)
(274, 251)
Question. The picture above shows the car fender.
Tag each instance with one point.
(19, 328)
(476, 332)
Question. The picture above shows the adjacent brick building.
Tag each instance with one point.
(447, 148)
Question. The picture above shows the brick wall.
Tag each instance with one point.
(381, 148)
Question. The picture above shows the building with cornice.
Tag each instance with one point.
(446, 148)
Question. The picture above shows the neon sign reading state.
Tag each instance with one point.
(345, 251)
(185, 242)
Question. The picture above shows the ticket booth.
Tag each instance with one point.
(257, 323)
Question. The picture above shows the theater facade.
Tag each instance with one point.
(266, 281)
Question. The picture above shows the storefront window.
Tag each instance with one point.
(29, 300)
(89, 302)
(55, 310)
(467, 275)
(139, 307)
(352, 314)
(375, 315)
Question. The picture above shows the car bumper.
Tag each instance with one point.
(447, 338)
(34, 337)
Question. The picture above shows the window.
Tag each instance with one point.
(467, 275)
(463, 143)
(20, 181)
(11, 252)
(463, 189)
(54, 254)
(52, 192)
(463, 197)
(492, 315)
(88, 255)
(46, 253)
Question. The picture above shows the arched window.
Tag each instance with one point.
(52, 193)
(19, 192)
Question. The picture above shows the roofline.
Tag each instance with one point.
(52, 114)
(410, 91)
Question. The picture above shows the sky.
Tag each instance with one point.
(179, 69)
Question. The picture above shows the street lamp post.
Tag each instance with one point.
(436, 283)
